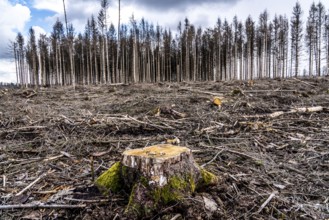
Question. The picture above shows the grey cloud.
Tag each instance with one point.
(176, 4)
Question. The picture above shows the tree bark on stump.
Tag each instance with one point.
(155, 177)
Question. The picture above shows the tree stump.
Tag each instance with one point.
(154, 177)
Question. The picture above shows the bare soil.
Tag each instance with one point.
(271, 166)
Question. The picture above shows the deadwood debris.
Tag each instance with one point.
(268, 142)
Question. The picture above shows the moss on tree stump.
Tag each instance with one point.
(154, 177)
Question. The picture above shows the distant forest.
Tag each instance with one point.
(143, 52)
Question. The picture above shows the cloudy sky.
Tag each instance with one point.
(20, 15)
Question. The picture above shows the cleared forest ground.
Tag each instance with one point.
(272, 165)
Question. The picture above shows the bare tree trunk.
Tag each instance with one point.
(134, 62)
(107, 59)
(310, 62)
(72, 64)
(18, 81)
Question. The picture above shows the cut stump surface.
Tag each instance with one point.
(158, 162)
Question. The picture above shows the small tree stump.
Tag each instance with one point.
(155, 176)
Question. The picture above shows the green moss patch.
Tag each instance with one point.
(110, 180)
(208, 178)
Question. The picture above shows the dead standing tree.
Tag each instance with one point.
(296, 37)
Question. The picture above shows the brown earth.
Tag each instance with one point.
(272, 166)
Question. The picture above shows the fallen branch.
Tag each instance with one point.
(321, 155)
(92, 200)
(307, 109)
(53, 158)
(177, 216)
(31, 184)
(170, 111)
(292, 169)
(211, 128)
(204, 92)
(304, 82)
(267, 201)
(294, 110)
(31, 128)
(43, 206)
(218, 153)
(231, 151)
(150, 124)
(4, 181)
(275, 90)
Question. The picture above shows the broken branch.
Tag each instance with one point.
(44, 206)
(267, 201)
(31, 184)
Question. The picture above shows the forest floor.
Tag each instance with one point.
(268, 142)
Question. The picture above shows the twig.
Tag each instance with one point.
(204, 92)
(176, 217)
(53, 158)
(276, 90)
(267, 201)
(31, 95)
(31, 184)
(31, 128)
(92, 200)
(4, 180)
(116, 216)
(66, 154)
(170, 111)
(242, 154)
(304, 82)
(99, 154)
(232, 151)
(321, 155)
(292, 169)
(218, 153)
(44, 206)
(150, 124)
(211, 128)
(92, 168)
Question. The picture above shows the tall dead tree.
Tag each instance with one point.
(262, 44)
(310, 37)
(326, 40)
(320, 17)
(250, 35)
(20, 59)
(117, 75)
(296, 25)
(32, 57)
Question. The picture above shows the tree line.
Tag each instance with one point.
(143, 52)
